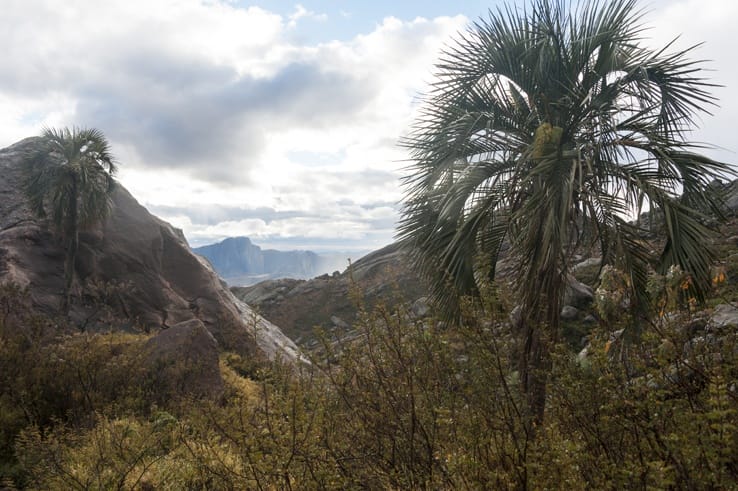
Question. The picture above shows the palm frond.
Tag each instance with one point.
(69, 177)
(548, 127)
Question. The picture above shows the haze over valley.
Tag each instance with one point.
(242, 263)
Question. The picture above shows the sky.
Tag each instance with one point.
(275, 120)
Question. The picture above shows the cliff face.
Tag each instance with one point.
(137, 265)
(234, 256)
(240, 262)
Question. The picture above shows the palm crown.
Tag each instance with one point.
(72, 169)
(550, 129)
(69, 177)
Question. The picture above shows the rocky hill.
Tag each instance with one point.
(241, 262)
(331, 302)
(135, 269)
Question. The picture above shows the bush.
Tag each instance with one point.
(402, 404)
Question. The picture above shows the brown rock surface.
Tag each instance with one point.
(150, 277)
(184, 358)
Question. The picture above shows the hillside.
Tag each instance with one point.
(135, 273)
(330, 301)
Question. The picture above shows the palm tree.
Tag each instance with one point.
(69, 176)
(549, 129)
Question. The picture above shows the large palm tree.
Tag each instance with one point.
(69, 178)
(549, 129)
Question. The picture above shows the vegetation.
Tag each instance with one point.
(544, 131)
(547, 129)
(407, 405)
(70, 178)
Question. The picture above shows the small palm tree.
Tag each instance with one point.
(549, 129)
(69, 178)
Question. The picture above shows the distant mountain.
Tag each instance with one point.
(241, 262)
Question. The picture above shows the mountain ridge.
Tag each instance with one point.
(241, 262)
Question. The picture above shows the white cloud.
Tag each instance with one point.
(301, 13)
(710, 24)
(213, 106)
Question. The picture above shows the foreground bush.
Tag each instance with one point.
(403, 404)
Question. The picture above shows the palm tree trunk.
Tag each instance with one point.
(69, 270)
(540, 335)
(70, 257)
(534, 359)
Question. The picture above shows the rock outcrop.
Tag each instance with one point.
(137, 266)
(185, 355)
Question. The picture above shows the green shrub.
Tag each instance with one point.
(402, 404)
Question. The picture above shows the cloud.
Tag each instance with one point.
(212, 90)
(344, 222)
(209, 215)
(213, 125)
(301, 13)
(225, 122)
(344, 232)
(708, 26)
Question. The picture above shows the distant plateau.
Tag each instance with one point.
(240, 262)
